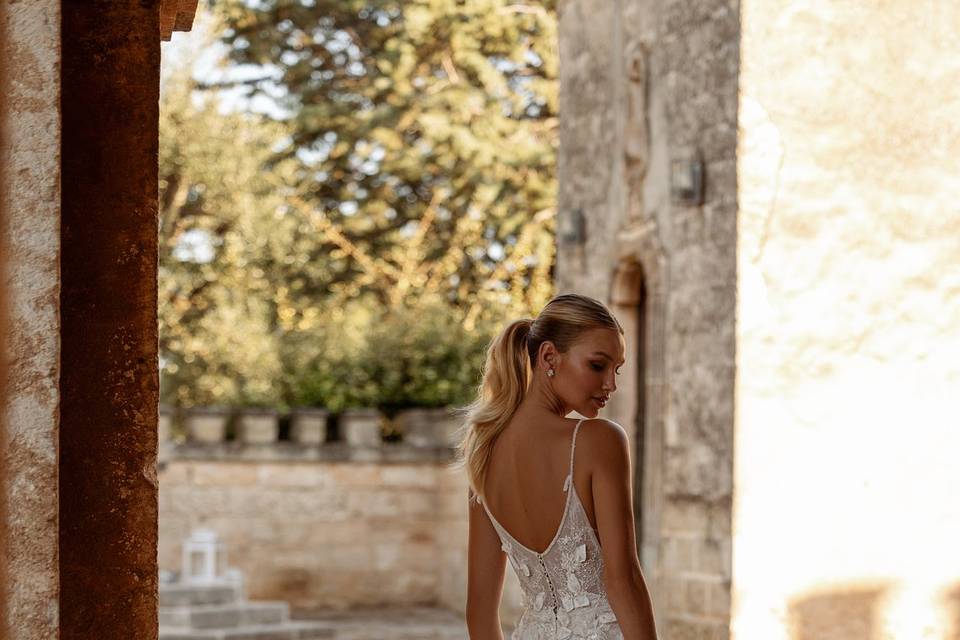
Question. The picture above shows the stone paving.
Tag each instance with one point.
(408, 623)
(219, 611)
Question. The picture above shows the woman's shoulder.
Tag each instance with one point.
(602, 429)
(601, 438)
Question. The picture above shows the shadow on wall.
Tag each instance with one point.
(842, 614)
(951, 602)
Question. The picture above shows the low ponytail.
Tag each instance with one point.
(506, 376)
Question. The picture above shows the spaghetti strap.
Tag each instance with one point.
(564, 596)
(573, 447)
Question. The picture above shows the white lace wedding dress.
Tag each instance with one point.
(563, 594)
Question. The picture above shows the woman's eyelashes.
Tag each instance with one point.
(600, 367)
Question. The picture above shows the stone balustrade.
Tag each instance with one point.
(360, 429)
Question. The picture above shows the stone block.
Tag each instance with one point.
(675, 593)
(687, 227)
(344, 532)
(294, 475)
(686, 629)
(720, 631)
(403, 476)
(353, 474)
(173, 595)
(680, 554)
(175, 472)
(697, 596)
(721, 513)
(225, 616)
(704, 305)
(224, 474)
(452, 505)
(291, 631)
(697, 471)
(685, 516)
(416, 504)
(351, 556)
(714, 557)
(718, 600)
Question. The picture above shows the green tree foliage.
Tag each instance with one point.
(219, 339)
(413, 118)
(360, 249)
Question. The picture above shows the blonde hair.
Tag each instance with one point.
(507, 373)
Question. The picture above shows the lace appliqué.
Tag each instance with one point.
(564, 597)
(583, 612)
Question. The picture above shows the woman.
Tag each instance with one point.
(552, 494)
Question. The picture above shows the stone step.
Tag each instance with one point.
(225, 616)
(178, 595)
(285, 631)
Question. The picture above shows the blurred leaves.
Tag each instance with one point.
(404, 111)
(359, 248)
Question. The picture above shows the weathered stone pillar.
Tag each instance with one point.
(109, 369)
(648, 93)
(29, 229)
(78, 514)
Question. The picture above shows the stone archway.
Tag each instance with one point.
(637, 297)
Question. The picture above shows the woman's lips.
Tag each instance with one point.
(600, 402)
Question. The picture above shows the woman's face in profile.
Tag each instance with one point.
(587, 375)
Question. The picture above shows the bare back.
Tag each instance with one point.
(525, 478)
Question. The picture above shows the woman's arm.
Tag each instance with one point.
(486, 563)
(612, 489)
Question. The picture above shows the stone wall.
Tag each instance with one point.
(648, 89)
(328, 532)
(29, 45)
(847, 515)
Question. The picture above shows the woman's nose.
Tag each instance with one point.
(611, 383)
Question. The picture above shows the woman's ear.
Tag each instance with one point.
(547, 355)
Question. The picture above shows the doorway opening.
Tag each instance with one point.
(637, 300)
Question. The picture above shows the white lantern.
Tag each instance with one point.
(204, 558)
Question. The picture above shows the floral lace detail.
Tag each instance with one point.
(563, 593)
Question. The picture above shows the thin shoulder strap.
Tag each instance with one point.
(573, 448)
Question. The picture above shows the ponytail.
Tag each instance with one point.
(508, 371)
(506, 375)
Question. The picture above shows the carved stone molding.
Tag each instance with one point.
(638, 250)
(176, 15)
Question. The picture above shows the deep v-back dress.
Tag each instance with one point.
(563, 593)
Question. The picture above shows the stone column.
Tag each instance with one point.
(109, 378)
(29, 231)
(80, 351)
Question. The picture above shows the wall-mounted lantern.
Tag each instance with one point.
(686, 178)
(573, 227)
